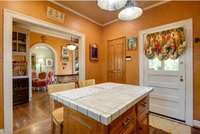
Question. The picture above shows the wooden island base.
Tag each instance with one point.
(133, 121)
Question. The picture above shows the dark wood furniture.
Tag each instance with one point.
(65, 78)
(20, 90)
(133, 121)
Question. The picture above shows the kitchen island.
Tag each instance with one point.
(107, 108)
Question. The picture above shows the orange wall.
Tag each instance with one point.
(167, 13)
(38, 10)
(57, 44)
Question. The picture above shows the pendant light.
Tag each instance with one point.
(111, 5)
(130, 12)
(71, 46)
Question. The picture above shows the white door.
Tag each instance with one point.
(172, 79)
(168, 79)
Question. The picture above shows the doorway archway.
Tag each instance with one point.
(45, 45)
(35, 48)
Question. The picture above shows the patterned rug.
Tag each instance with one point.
(157, 131)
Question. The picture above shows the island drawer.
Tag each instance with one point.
(125, 124)
(143, 124)
(143, 106)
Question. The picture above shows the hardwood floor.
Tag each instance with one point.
(34, 117)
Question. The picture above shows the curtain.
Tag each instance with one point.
(165, 44)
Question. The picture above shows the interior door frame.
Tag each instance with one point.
(9, 17)
(124, 60)
(187, 24)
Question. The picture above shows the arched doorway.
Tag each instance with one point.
(42, 59)
(44, 56)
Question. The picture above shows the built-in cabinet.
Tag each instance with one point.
(20, 60)
(20, 90)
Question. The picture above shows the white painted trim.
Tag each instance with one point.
(145, 9)
(110, 22)
(1, 131)
(155, 5)
(107, 23)
(9, 16)
(75, 12)
(7, 73)
(44, 31)
(196, 123)
(189, 59)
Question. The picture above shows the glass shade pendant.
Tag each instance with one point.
(71, 47)
(111, 5)
(129, 13)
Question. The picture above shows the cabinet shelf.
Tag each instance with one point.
(20, 66)
(20, 53)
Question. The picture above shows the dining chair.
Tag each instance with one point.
(57, 114)
(42, 81)
(85, 83)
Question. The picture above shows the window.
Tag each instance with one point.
(155, 64)
(166, 65)
(171, 65)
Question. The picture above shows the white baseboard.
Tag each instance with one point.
(196, 123)
(1, 131)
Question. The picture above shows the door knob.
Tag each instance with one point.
(181, 62)
(181, 78)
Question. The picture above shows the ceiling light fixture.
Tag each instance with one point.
(71, 47)
(111, 5)
(130, 12)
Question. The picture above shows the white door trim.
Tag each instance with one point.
(189, 62)
(9, 16)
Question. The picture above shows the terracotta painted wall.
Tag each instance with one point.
(57, 44)
(38, 10)
(167, 13)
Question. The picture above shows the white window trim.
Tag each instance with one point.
(9, 16)
(189, 65)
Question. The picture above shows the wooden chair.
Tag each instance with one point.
(85, 83)
(57, 114)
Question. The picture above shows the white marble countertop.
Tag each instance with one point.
(102, 102)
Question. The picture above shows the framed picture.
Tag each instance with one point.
(93, 52)
(132, 43)
(65, 52)
(49, 62)
(65, 60)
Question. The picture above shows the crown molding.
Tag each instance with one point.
(145, 9)
(155, 5)
(107, 23)
(110, 22)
